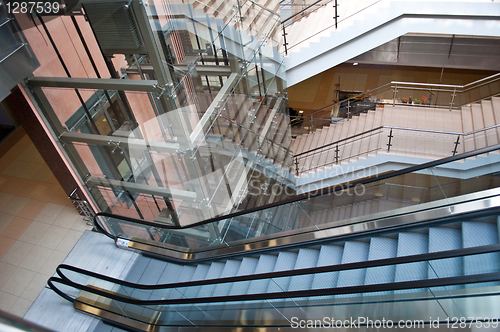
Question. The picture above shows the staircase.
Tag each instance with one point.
(457, 235)
(446, 126)
(315, 45)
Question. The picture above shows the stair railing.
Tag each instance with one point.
(335, 24)
(398, 93)
(303, 160)
(304, 12)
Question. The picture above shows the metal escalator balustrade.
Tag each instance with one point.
(382, 201)
(384, 277)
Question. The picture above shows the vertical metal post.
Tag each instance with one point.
(394, 97)
(456, 145)
(348, 108)
(390, 139)
(297, 166)
(336, 5)
(453, 98)
(284, 39)
(337, 154)
(311, 124)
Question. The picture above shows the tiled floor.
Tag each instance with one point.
(38, 226)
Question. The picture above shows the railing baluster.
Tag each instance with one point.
(390, 139)
(456, 145)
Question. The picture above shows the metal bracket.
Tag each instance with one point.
(390, 139)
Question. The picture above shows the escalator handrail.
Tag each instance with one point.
(289, 273)
(301, 197)
(392, 286)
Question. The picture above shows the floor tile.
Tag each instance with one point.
(34, 232)
(52, 237)
(7, 301)
(43, 174)
(25, 141)
(28, 188)
(16, 228)
(53, 180)
(18, 281)
(29, 171)
(5, 244)
(36, 258)
(46, 192)
(49, 213)
(16, 204)
(28, 154)
(4, 163)
(81, 225)
(32, 209)
(17, 253)
(35, 287)
(6, 271)
(60, 197)
(9, 185)
(67, 218)
(5, 220)
(15, 168)
(49, 268)
(20, 307)
(4, 200)
(15, 152)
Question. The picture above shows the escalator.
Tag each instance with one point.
(427, 264)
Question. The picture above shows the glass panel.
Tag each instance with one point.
(420, 187)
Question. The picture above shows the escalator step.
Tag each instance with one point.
(305, 259)
(442, 239)
(380, 248)
(354, 251)
(286, 261)
(411, 244)
(476, 234)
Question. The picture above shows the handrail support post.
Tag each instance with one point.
(456, 145)
(394, 97)
(390, 140)
(453, 98)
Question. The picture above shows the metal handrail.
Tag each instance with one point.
(330, 26)
(456, 89)
(303, 10)
(398, 128)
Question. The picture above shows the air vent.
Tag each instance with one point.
(114, 27)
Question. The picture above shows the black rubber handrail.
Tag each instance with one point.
(415, 284)
(289, 273)
(301, 197)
